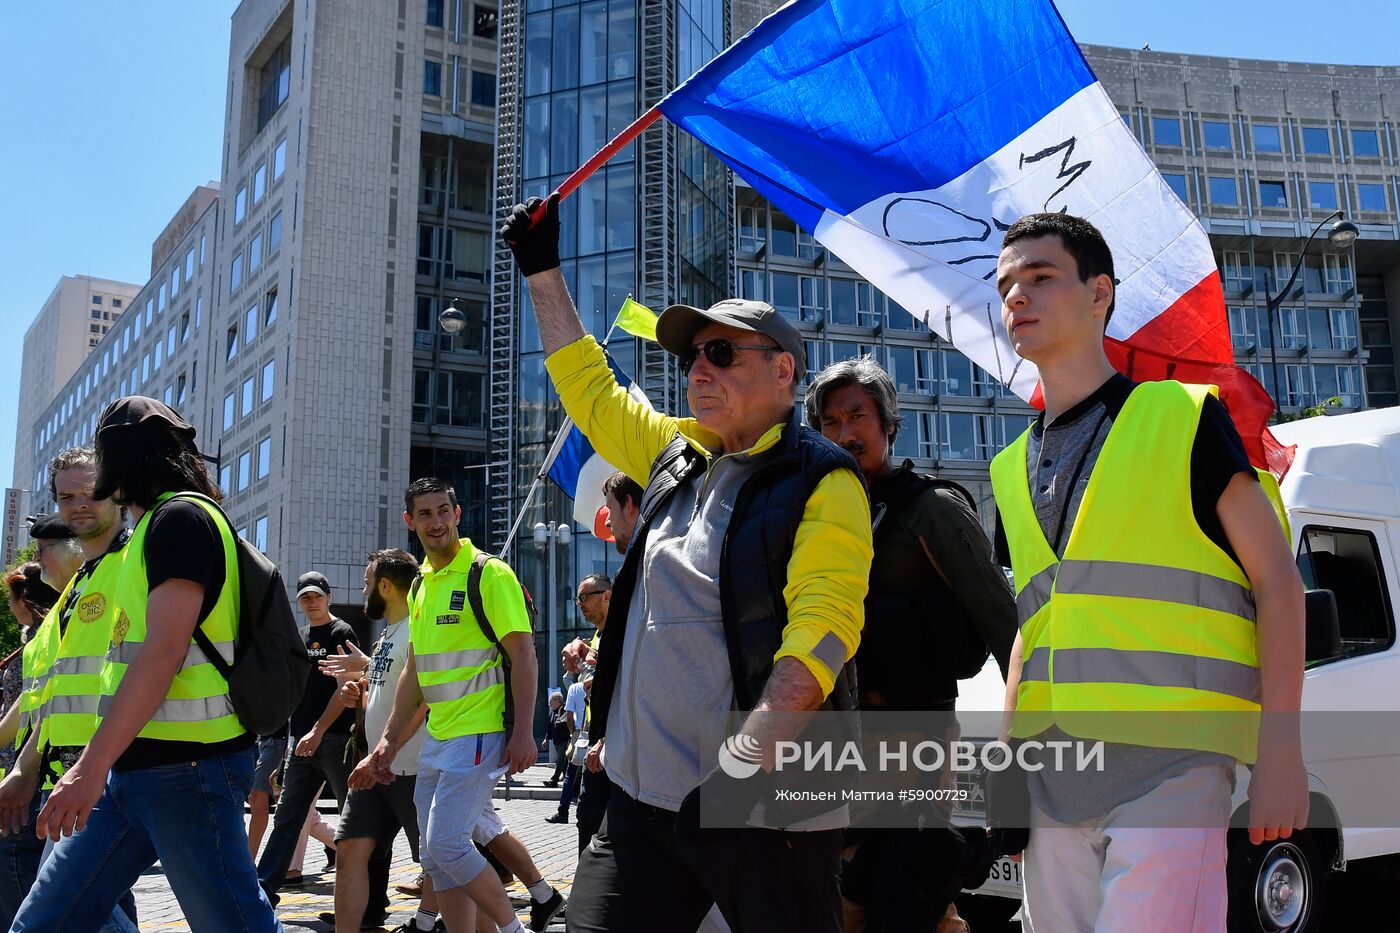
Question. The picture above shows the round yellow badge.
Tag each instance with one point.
(119, 629)
(91, 607)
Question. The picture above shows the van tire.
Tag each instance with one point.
(1276, 887)
(986, 910)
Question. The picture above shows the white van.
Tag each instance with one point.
(1343, 499)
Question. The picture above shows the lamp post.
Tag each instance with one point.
(1342, 235)
(546, 536)
(453, 318)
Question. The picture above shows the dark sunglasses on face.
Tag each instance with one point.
(720, 353)
(584, 597)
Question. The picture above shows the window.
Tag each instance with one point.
(226, 477)
(1267, 138)
(1273, 194)
(202, 238)
(458, 398)
(169, 397)
(432, 79)
(274, 233)
(240, 205)
(185, 327)
(435, 13)
(1293, 328)
(260, 534)
(1166, 131)
(1343, 328)
(275, 81)
(270, 308)
(264, 457)
(964, 437)
(156, 357)
(1322, 195)
(279, 159)
(753, 229)
(1177, 182)
(231, 347)
(422, 382)
(247, 397)
(245, 469)
(1240, 336)
(180, 390)
(1317, 140)
(97, 313)
(1348, 562)
(255, 248)
(116, 302)
(250, 324)
(189, 265)
(484, 21)
(913, 370)
(137, 334)
(1223, 190)
(235, 274)
(229, 411)
(1370, 197)
(1336, 273)
(94, 328)
(259, 182)
(1365, 144)
(170, 341)
(269, 379)
(97, 299)
(145, 367)
(1216, 134)
(483, 89)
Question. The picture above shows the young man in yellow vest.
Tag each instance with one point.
(180, 761)
(461, 673)
(1160, 611)
(73, 647)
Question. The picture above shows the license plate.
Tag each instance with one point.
(1004, 879)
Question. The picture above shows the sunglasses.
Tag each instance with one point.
(585, 597)
(720, 353)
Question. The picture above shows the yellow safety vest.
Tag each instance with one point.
(459, 669)
(1144, 632)
(70, 703)
(36, 666)
(197, 707)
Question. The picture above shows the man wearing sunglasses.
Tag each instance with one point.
(740, 599)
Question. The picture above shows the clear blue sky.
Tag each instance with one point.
(113, 112)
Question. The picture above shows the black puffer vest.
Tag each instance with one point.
(753, 562)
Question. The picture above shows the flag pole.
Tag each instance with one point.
(549, 458)
(616, 145)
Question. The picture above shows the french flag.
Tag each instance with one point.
(580, 471)
(907, 136)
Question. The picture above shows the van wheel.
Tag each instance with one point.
(1276, 887)
(985, 910)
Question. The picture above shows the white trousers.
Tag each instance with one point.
(1154, 863)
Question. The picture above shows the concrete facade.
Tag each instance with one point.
(77, 315)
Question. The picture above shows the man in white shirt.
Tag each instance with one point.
(374, 813)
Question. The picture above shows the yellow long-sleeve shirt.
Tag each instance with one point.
(829, 570)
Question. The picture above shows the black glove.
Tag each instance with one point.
(1008, 807)
(536, 248)
(733, 798)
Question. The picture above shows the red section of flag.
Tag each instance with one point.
(1246, 400)
(600, 525)
(1195, 327)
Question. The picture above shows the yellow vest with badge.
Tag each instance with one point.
(75, 684)
(197, 707)
(36, 667)
(459, 670)
(1144, 632)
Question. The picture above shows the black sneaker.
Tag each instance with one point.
(330, 860)
(542, 913)
(408, 926)
(561, 817)
(366, 923)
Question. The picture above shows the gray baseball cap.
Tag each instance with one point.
(676, 327)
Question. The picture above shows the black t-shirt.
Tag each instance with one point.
(182, 543)
(322, 642)
(1217, 456)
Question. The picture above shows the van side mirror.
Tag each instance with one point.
(1324, 631)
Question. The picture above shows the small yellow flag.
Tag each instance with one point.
(638, 320)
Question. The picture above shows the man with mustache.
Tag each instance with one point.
(923, 632)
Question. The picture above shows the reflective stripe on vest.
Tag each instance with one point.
(196, 707)
(452, 690)
(1135, 581)
(1144, 614)
(452, 660)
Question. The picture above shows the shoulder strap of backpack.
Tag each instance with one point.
(474, 595)
(211, 654)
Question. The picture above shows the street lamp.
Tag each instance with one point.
(453, 318)
(561, 533)
(1342, 235)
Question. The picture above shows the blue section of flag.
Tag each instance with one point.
(830, 104)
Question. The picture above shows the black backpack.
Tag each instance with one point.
(270, 663)
(479, 614)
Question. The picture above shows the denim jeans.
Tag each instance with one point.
(123, 916)
(19, 864)
(189, 816)
(302, 780)
(566, 796)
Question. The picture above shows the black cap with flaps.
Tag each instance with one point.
(155, 425)
(676, 327)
